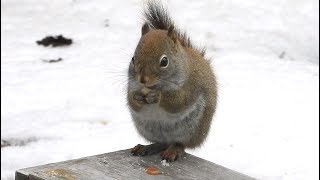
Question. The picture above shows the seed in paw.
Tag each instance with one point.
(145, 90)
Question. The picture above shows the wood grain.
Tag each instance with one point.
(122, 165)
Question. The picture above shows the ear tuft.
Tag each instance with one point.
(172, 33)
(145, 28)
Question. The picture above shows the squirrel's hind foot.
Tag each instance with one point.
(143, 150)
(173, 152)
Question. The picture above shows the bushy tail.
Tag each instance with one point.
(158, 18)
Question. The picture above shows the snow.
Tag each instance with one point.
(265, 55)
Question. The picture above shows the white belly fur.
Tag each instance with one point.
(157, 125)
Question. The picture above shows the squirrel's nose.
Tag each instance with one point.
(144, 79)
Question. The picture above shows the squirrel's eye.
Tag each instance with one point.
(164, 61)
(132, 60)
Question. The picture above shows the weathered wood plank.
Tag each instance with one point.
(122, 165)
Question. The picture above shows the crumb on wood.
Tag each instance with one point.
(165, 163)
(152, 171)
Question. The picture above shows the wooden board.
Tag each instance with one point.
(122, 165)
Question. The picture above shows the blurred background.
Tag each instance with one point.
(265, 55)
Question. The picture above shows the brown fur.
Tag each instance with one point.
(158, 17)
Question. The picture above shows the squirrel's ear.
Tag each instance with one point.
(145, 28)
(172, 34)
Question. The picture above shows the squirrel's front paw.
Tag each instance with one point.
(152, 97)
(139, 98)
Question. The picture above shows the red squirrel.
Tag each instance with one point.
(172, 90)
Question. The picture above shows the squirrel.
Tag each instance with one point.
(172, 90)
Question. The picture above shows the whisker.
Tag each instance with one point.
(163, 80)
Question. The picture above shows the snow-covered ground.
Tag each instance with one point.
(265, 54)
